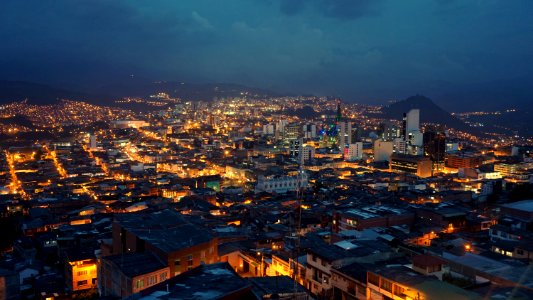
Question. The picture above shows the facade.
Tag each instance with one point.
(417, 165)
(435, 147)
(354, 152)
(292, 131)
(345, 134)
(126, 274)
(307, 153)
(281, 184)
(81, 274)
(457, 161)
(383, 150)
(309, 131)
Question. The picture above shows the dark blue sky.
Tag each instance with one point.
(362, 50)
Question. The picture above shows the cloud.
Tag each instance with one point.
(336, 9)
(203, 22)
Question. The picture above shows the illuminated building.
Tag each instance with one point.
(81, 274)
(392, 282)
(345, 134)
(292, 131)
(354, 152)
(417, 165)
(281, 184)
(463, 160)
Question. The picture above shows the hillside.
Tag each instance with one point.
(429, 113)
(40, 94)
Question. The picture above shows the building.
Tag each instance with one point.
(292, 131)
(180, 244)
(393, 282)
(412, 121)
(306, 154)
(268, 129)
(277, 287)
(309, 131)
(371, 217)
(418, 165)
(215, 281)
(463, 160)
(281, 184)
(81, 270)
(354, 152)
(435, 148)
(383, 150)
(92, 142)
(345, 134)
(125, 274)
(400, 146)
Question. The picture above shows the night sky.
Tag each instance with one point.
(362, 50)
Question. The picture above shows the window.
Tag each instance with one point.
(139, 284)
(81, 273)
(163, 276)
(519, 251)
(386, 285)
(189, 260)
(177, 262)
(94, 281)
(82, 282)
(373, 279)
(399, 291)
(152, 280)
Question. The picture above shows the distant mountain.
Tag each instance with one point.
(40, 94)
(183, 90)
(429, 113)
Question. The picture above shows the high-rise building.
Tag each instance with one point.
(268, 129)
(345, 134)
(307, 152)
(413, 120)
(295, 147)
(435, 148)
(383, 150)
(309, 131)
(292, 131)
(92, 142)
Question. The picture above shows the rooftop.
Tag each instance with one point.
(135, 264)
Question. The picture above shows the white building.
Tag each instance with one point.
(345, 134)
(400, 146)
(383, 150)
(354, 152)
(268, 129)
(309, 131)
(307, 152)
(412, 121)
(281, 184)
